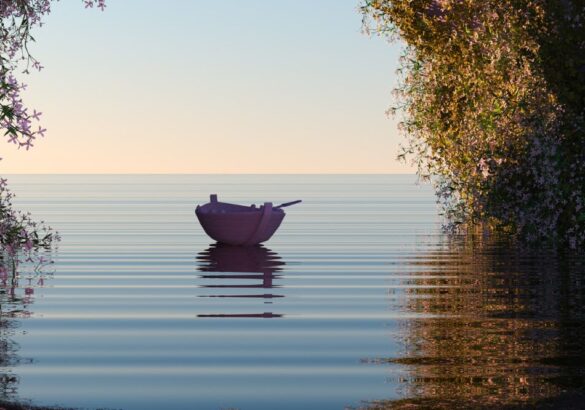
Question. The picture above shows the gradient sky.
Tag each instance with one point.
(193, 86)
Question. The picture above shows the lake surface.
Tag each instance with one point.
(359, 300)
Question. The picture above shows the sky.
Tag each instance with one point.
(199, 86)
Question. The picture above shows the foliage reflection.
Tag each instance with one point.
(18, 281)
(499, 327)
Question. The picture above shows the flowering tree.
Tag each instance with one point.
(492, 99)
(20, 236)
(17, 18)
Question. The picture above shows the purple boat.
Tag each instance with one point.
(233, 224)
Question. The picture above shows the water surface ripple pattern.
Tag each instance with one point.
(358, 300)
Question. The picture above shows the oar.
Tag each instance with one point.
(289, 204)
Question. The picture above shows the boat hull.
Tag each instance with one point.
(238, 229)
(232, 224)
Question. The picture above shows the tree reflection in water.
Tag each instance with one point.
(500, 327)
(18, 281)
(240, 268)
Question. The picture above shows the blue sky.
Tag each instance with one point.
(189, 86)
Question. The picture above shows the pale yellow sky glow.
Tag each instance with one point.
(298, 90)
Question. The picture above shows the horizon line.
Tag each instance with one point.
(208, 173)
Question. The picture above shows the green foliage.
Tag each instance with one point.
(492, 99)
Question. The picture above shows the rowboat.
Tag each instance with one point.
(233, 224)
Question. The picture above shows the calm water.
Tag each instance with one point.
(358, 301)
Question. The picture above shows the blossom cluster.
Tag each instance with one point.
(17, 19)
(21, 238)
(492, 103)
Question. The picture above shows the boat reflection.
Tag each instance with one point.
(240, 268)
(499, 327)
(265, 315)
